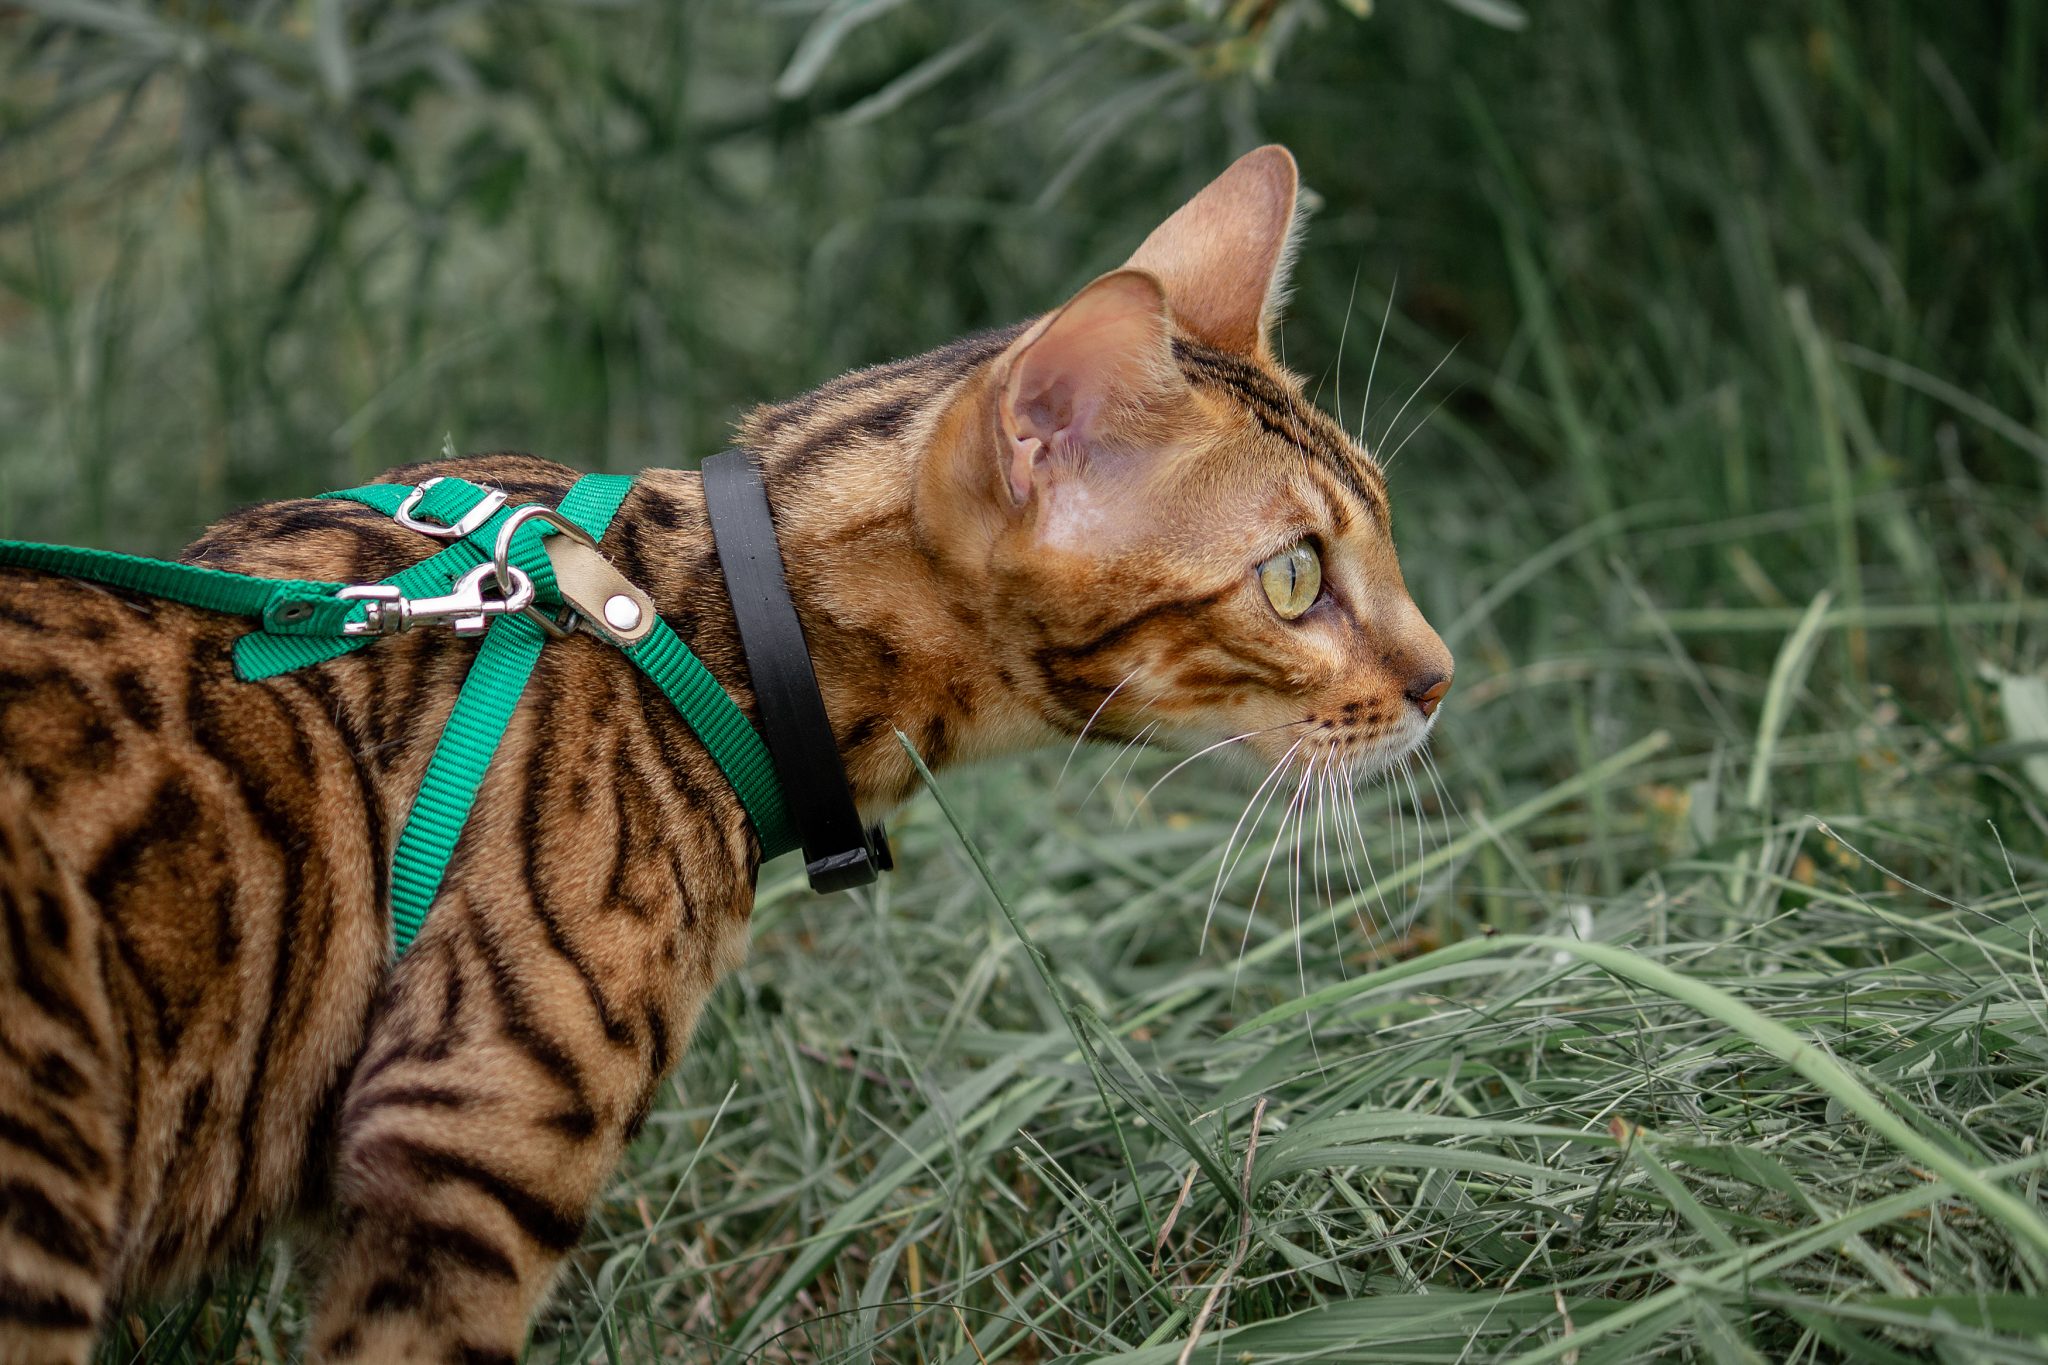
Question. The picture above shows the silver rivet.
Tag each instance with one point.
(621, 612)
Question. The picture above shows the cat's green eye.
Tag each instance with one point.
(1292, 580)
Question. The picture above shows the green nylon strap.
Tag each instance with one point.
(723, 729)
(445, 502)
(385, 497)
(295, 604)
(301, 619)
(455, 774)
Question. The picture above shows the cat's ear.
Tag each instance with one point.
(1224, 255)
(1080, 384)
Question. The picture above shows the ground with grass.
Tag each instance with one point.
(1687, 1004)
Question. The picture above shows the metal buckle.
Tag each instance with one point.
(387, 611)
(486, 508)
(559, 627)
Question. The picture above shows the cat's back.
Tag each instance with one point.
(195, 873)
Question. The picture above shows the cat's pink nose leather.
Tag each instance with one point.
(1427, 692)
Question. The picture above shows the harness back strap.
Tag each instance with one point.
(483, 709)
(266, 653)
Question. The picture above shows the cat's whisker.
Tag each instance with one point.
(1354, 842)
(1343, 334)
(1123, 784)
(1421, 835)
(1443, 793)
(1294, 858)
(1327, 808)
(1060, 781)
(1128, 745)
(1133, 750)
(1402, 444)
(1365, 851)
(1445, 801)
(1397, 841)
(1244, 846)
(1329, 778)
(1300, 936)
(1329, 888)
(1346, 841)
(1373, 369)
(1399, 412)
(1219, 744)
(1400, 845)
(1336, 774)
(1287, 816)
(1225, 865)
(1335, 865)
(1297, 853)
(1363, 842)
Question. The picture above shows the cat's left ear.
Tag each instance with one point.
(1088, 384)
(1224, 255)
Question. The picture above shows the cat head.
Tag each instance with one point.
(1180, 544)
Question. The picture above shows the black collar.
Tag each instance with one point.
(838, 851)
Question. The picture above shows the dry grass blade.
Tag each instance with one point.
(1244, 1238)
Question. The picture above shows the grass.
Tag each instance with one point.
(1695, 1012)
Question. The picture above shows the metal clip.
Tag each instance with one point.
(387, 611)
(487, 507)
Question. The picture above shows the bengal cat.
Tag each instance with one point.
(1121, 513)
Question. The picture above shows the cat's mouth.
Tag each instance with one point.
(1365, 756)
(1355, 754)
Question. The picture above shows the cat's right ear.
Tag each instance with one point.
(1224, 255)
(1080, 385)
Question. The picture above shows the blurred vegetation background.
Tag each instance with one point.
(1713, 341)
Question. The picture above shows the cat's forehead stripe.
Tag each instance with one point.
(1283, 413)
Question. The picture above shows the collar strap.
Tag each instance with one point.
(839, 852)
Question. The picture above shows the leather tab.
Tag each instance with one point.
(586, 580)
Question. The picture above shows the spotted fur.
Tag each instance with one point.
(1027, 534)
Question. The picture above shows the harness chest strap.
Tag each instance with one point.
(304, 622)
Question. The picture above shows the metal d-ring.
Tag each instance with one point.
(501, 560)
(486, 507)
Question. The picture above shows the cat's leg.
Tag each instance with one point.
(61, 1150)
(502, 1080)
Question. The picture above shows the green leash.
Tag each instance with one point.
(496, 578)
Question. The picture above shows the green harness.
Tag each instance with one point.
(498, 577)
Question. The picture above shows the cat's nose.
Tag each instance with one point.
(1427, 690)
